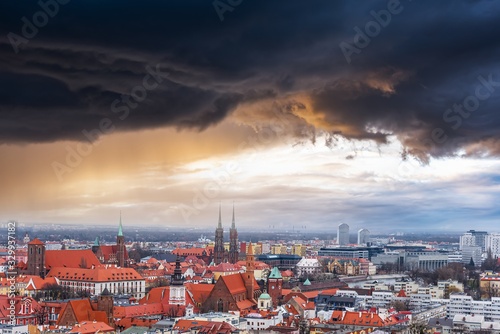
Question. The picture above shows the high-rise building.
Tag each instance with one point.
(299, 249)
(343, 234)
(493, 243)
(474, 238)
(363, 236)
(467, 239)
(472, 252)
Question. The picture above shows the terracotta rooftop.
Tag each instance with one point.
(100, 274)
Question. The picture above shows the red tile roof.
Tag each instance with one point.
(69, 258)
(199, 292)
(245, 304)
(234, 283)
(366, 319)
(35, 241)
(217, 328)
(137, 310)
(188, 251)
(225, 268)
(108, 251)
(38, 283)
(18, 300)
(186, 325)
(83, 311)
(87, 327)
(100, 274)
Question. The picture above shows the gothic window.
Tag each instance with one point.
(220, 305)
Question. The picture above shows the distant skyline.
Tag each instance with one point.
(300, 114)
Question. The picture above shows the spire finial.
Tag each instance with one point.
(233, 225)
(220, 220)
(250, 249)
(120, 229)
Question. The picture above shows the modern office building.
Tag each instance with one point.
(363, 236)
(493, 243)
(474, 238)
(343, 234)
(351, 252)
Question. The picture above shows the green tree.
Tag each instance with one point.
(491, 262)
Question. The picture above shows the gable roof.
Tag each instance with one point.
(185, 325)
(108, 250)
(71, 258)
(199, 292)
(234, 283)
(82, 309)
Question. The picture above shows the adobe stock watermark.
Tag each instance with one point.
(11, 270)
(222, 6)
(30, 28)
(221, 177)
(455, 116)
(122, 108)
(372, 29)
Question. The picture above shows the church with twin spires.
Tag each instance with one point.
(221, 255)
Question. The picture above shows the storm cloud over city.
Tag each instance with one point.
(381, 114)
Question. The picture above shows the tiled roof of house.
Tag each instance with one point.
(188, 251)
(245, 304)
(18, 300)
(186, 325)
(217, 328)
(38, 283)
(137, 310)
(91, 327)
(83, 311)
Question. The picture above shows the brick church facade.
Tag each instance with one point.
(235, 293)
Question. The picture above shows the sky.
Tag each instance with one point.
(379, 114)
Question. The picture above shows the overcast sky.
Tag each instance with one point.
(383, 115)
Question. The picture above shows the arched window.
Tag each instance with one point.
(220, 305)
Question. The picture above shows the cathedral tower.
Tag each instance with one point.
(36, 258)
(120, 246)
(219, 242)
(233, 242)
(249, 276)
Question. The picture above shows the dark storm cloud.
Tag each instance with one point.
(428, 57)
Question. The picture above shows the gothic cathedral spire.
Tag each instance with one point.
(219, 241)
(120, 245)
(233, 242)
